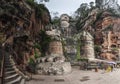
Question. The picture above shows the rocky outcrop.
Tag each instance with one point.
(20, 24)
(107, 34)
(54, 61)
(87, 46)
(104, 25)
(53, 64)
(55, 47)
(54, 68)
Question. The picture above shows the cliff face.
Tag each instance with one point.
(20, 25)
(107, 35)
(104, 25)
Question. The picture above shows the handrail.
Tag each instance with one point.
(2, 68)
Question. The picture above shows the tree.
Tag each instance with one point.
(22, 21)
(83, 10)
(41, 1)
(91, 4)
(55, 19)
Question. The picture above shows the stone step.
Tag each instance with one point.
(11, 77)
(7, 61)
(15, 81)
(9, 69)
(10, 65)
(7, 57)
(22, 81)
(9, 73)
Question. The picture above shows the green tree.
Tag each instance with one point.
(78, 50)
(81, 13)
(45, 40)
(83, 10)
(91, 4)
(41, 11)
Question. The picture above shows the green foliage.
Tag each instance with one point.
(99, 15)
(36, 54)
(40, 9)
(31, 62)
(32, 65)
(113, 12)
(32, 3)
(42, 0)
(82, 14)
(91, 4)
(63, 46)
(97, 48)
(37, 46)
(56, 20)
(114, 49)
(80, 24)
(83, 60)
(45, 40)
(78, 50)
(83, 10)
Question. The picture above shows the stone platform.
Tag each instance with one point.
(53, 68)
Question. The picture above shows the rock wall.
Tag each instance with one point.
(107, 34)
(54, 61)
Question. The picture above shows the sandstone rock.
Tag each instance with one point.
(43, 59)
(50, 59)
(55, 47)
(87, 49)
(56, 68)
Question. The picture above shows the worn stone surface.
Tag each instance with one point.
(51, 58)
(55, 47)
(54, 61)
(53, 68)
(87, 46)
(108, 35)
(78, 77)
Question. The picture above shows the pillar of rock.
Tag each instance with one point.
(54, 63)
(55, 47)
(87, 46)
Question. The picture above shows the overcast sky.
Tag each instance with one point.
(66, 6)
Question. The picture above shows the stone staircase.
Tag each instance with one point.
(12, 75)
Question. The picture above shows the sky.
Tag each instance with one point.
(65, 6)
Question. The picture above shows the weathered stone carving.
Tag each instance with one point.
(54, 62)
(87, 46)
